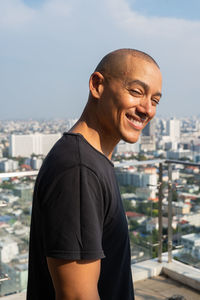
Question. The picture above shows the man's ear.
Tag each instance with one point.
(96, 84)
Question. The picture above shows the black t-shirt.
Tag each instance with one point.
(77, 214)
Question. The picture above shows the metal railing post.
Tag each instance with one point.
(160, 229)
(169, 212)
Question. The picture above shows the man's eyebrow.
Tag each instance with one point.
(144, 85)
(158, 94)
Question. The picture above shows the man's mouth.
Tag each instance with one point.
(137, 124)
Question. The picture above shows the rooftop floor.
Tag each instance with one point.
(20, 296)
(161, 287)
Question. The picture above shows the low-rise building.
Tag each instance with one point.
(191, 243)
(153, 223)
(193, 219)
(140, 218)
(8, 249)
(145, 193)
(178, 208)
(18, 274)
(24, 191)
(8, 165)
(137, 179)
(123, 147)
(180, 153)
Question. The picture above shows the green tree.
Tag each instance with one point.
(144, 208)
(134, 225)
(128, 205)
(174, 195)
(127, 189)
(141, 157)
(154, 213)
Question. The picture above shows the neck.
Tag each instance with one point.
(94, 132)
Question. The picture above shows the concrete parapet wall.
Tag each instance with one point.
(183, 273)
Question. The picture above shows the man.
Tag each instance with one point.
(79, 245)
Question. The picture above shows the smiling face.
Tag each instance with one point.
(129, 101)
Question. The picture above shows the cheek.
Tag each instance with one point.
(125, 102)
(130, 101)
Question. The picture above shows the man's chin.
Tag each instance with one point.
(130, 139)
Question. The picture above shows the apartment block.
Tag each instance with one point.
(25, 145)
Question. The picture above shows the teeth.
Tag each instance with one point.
(138, 123)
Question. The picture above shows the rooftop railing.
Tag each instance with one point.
(164, 164)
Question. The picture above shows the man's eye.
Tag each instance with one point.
(136, 92)
(155, 101)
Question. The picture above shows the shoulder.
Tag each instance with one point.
(70, 153)
(73, 149)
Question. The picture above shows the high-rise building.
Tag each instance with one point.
(26, 145)
(148, 140)
(173, 129)
(149, 129)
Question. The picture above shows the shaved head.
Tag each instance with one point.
(115, 63)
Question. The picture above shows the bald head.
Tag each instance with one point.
(116, 63)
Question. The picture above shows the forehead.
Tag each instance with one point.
(140, 69)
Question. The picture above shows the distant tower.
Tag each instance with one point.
(149, 129)
(148, 136)
(162, 127)
(173, 129)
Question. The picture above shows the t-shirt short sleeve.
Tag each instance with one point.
(72, 214)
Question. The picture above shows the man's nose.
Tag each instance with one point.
(145, 106)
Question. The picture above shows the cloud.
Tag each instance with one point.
(14, 13)
(134, 22)
(58, 8)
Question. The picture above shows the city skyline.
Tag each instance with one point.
(49, 49)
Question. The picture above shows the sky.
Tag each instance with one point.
(49, 48)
